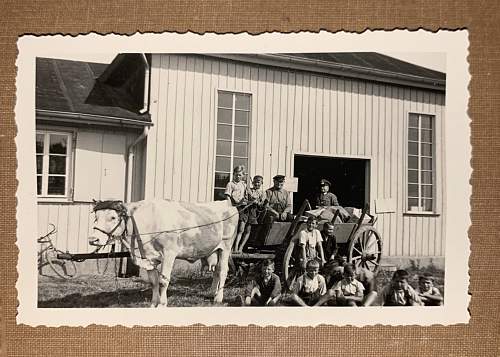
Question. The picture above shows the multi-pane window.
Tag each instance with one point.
(421, 185)
(53, 151)
(233, 131)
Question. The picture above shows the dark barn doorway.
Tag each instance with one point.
(349, 178)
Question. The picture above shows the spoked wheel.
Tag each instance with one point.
(292, 268)
(365, 249)
(63, 268)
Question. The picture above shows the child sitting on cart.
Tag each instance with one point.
(257, 196)
(236, 193)
(310, 243)
(330, 247)
(428, 293)
(310, 287)
(265, 288)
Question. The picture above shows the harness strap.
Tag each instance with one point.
(136, 237)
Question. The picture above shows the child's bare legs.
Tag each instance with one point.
(369, 298)
(246, 235)
(251, 299)
(241, 229)
(298, 300)
(330, 295)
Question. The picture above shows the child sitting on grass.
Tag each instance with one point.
(310, 243)
(309, 287)
(265, 288)
(398, 292)
(348, 291)
(428, 293)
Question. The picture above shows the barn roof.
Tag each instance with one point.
(370, 66)
(376, 61)
(75, 89)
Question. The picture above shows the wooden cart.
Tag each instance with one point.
(359, 241)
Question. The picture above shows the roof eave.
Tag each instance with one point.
(88, 119)
(344, 70)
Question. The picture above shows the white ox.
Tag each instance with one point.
(170, 230)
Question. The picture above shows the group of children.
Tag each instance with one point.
(339, 283)
(312, 289)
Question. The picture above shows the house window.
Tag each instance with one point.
(421, 157)
(53, 150)
(233, 130)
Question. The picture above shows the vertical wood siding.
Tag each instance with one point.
(291, 112)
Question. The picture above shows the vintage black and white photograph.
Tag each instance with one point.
(328, 180)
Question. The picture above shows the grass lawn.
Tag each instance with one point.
(187, 290)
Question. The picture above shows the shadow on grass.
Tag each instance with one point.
(183, 292)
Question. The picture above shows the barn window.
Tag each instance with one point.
(53, 151)
(421, 163)
(233, 130)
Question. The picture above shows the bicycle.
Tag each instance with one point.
(51, 256)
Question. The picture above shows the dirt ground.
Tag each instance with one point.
(188, 289)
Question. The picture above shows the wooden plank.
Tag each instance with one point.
(375, 143)
(254, 133)
(269, 123)
(327, 89)
(304, 119)
(261, 122)
(290, 119)
(317, 115)
(231, 76)
(167, 142)
(112, 185)
(187, 133)
(196, 184)
(282, 137)
(297, 123)
(73, 227)
(155, 102)
(334, 117)
(161, 188)
(275, 124)
(62, 226)
(369, 120)
(340, 116)
(88, 156)
(348, 117)
(361, 115)
(311, 113)
(400, 171)
(177, 139)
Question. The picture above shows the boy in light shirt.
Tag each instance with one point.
(428, 293)
(236, 193)
(348, 291)
(309, 287)
(310, 242)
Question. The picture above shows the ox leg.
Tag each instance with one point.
(221, 275)
(153, 279)
(165, 274)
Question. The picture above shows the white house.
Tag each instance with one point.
(371, 124)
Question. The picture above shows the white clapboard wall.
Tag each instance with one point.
(292, 112)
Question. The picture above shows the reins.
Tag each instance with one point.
(135, 233)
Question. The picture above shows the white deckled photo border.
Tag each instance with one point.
(454, 44)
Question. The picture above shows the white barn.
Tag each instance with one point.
(371, 124)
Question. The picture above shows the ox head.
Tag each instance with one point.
(110, 222)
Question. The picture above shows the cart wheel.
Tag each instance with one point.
(365, 249)
(291, 266)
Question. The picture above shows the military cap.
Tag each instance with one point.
(279, 178)
(324, 182)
